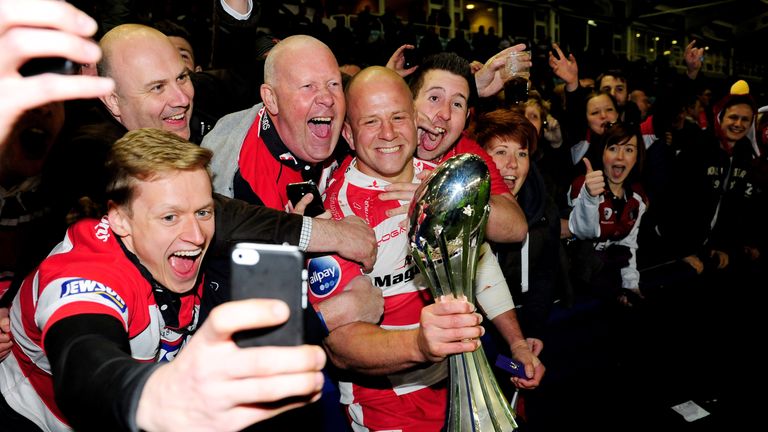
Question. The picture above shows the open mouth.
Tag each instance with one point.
(510, 181)
(184, 262)
(429, 141)
(34, 143)
(320, 126)
(617, 171)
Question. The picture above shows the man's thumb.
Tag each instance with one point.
(588, 164)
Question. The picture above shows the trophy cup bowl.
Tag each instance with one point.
(447, 222)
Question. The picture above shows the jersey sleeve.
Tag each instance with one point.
(328, 275)
(64, 297)
(91, 360)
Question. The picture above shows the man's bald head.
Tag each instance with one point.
(152, 82)
(286, 50)
(381, 76)
(114, 41)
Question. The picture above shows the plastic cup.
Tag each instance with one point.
(517, 65)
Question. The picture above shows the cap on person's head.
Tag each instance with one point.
(739, 94)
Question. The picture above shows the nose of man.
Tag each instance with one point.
(387, 131)
(180, 96)
(193, 233)
(325, 97)
(444, 111)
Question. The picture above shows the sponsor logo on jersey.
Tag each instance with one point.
(102, 229)
(86, 286)
(396, 278)
(169, 349)
(324, 275)
(390, 235)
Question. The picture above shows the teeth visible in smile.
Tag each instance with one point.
(321, 120)
(389, 149)
(188, 254)
(177, 117)
(440, 130)
(510, 177)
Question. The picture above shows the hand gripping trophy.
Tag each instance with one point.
(447, 220)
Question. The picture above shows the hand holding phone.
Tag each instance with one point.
(296, 192)
(41, 65)
(514, 367)
(412, 58)
(276, 272)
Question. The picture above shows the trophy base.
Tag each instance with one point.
(476, 401)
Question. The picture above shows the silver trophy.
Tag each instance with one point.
(448, 217)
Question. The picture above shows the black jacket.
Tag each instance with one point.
(543, 242)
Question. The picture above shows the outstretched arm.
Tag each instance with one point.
(506, 221)
(522, 349)
(488, 79)
(212, 383)
(448, 326)
(360, 301)
(693, 60)
(351, 238)
(44, 28)
(397, 61)
(565, 68)
(215, 385)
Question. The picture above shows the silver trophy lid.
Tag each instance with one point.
(450, 203)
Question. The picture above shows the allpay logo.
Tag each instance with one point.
(324, 275)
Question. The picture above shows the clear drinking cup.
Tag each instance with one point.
(516, 73)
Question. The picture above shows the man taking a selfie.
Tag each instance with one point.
(120, 294)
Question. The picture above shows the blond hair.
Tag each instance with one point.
(143, 154)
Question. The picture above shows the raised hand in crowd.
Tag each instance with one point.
(397, 61)
(564, 67)
(693, 58)
(475, 66)
(594, 181)
(44, 28)
(488, 79)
